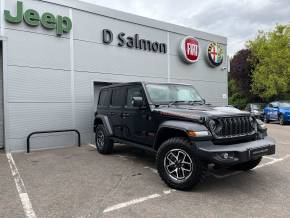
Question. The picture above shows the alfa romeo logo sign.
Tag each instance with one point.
(215, 54)
(189, 50)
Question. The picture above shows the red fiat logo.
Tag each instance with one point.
(189, 49)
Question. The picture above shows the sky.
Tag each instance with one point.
(238, 20)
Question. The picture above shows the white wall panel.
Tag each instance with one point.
(29, 117)
(95, 57)
(36, 50)
(27, 84)
(90, 28)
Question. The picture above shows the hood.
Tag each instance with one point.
(199, 111)
(284, 109)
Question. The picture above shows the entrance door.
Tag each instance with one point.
(1, 100)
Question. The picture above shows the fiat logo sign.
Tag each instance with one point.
(189, 50)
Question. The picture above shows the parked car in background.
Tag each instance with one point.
(255, 109)
(277, 111)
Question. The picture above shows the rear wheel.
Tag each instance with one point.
(103, 143)
(178, 166)
(247, 165)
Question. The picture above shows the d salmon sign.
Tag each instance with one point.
(189, 50)
(215, 54)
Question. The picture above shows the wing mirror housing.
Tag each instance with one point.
(137, 102)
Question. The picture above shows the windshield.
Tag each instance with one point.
(172, 93)
(284, 104)
(257, 106)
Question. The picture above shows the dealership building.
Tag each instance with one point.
(56, 55)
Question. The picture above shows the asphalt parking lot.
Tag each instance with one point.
(79, 182)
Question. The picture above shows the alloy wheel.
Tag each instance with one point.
(178, 164)
(100, 139)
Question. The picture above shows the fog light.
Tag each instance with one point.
(225, 155)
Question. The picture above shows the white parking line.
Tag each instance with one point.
(91, 145)
(26, 204)
(132, 202)
(272, 162)
(271, 158)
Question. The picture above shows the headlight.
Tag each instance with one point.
(192, 133)
(261, 125)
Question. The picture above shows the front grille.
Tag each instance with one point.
(231, 127)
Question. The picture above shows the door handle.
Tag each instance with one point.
(124, 115)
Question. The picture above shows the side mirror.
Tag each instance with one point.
(137, 101)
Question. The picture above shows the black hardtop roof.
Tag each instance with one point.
(137, 83)
(120, 85)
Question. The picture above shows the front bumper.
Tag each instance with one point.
(287, 117)
(235, 153)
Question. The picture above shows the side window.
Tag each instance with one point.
(274, 104)
(135, 91)
(118, 97)
(104, 99)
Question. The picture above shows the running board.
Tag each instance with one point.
(133, 144)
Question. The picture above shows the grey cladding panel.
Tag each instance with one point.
(93, 57)
(36, 50)
(29, 117)
(196, 71)
(98, 23)
(27, 84)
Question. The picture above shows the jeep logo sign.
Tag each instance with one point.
(189, 50)
(32, 18)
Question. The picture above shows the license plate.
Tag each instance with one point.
(258, 152)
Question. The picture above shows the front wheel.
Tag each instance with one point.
(247, 165)
(281, 120)
(178, 166)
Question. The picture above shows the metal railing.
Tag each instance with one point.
(51, 131)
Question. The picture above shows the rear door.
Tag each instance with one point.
(116, 110)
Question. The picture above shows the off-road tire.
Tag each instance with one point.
(247, 165)
(281, 120)
(199, 168)
(107, 146)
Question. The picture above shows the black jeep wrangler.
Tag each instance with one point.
(184, 132)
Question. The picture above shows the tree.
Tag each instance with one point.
(271, 61)
(241, 71)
